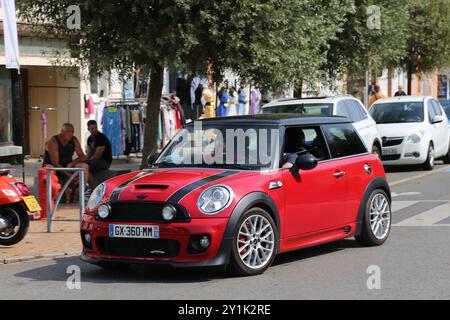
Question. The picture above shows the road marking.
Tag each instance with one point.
(405, 194)
(396, 183)
(427, 218)
(399, 205)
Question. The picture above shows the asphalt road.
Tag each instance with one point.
(413, 264)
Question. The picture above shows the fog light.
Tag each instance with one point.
(87, 238)
(104, 211)
(416, 154)
(169, 212)
(205, 242)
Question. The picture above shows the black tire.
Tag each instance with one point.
(20, 217)
(446, 159)
(236, 266)
(367, 236)
(376, 150)
(429, 163)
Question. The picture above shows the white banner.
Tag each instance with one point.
(10, 34)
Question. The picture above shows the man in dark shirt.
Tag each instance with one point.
(400, 91)
(100, 154)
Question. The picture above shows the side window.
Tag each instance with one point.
(341, 109)
(431, 111)
(361, 109)
(354, 111)
(304, 139)
(437, 108)
(343, 140)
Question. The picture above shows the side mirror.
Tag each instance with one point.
(304, 162)
(438, 119)
(152, 158)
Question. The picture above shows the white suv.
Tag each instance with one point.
(340, 105)
(414, 130)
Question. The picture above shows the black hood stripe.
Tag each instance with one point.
(116, 193)
(181, 193)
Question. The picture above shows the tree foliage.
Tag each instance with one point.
(270, 42)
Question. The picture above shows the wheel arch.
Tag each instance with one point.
(252, 200)
(376, 183)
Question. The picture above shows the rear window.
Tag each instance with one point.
(343, 140)
(303, 108)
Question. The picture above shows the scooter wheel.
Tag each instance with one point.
(17, 222)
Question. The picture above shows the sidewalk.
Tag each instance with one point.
(63, 241)
(65, 237)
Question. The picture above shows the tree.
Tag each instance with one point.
(271, 42)
(428, 41)
(374, 35)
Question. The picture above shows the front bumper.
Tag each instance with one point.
(405, 154)
(217, 254)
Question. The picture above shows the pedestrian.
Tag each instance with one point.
(59, 151)
(198, 106)
(100, 152)
(255, 102)
(400, 91)
(377, 94)
(233, 103)
(224, 98)
(242, 94)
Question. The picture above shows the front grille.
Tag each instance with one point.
(390, 142)
(143, 211)
(391, 157)
(138, 248)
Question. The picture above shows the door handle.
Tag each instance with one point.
(339, 174)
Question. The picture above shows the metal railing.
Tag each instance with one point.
(51, 212)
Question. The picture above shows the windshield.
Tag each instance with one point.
(303, 108)
(233, 147)
(398, 112)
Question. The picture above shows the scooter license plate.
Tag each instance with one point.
(32, 204)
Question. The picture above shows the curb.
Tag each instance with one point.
(39, 256)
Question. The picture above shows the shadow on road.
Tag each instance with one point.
(57, 270)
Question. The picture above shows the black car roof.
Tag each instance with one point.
(278, 119)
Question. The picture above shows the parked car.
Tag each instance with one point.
(243, 211)
(340, 105)
(414, 130)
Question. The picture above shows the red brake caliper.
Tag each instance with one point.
(244, 239)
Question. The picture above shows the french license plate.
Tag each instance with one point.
(133, 231)
(390, 151)
(32, 204)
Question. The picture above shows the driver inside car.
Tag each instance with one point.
(294, 146)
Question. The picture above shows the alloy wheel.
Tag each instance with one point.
(380, 216)
(256, 242)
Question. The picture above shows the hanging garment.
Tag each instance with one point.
(255, 103)
(112, 123)
(242, 102)
(222, 108)
(89, 106)
(232, 105)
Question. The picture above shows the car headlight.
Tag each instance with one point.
(414, 138)
(215, 199)
(96, 197)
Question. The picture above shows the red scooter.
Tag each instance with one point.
(16, 201)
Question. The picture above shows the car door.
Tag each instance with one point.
(441, 130)
(436, 135)
(317, 200)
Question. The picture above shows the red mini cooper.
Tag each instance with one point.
(237, 191)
